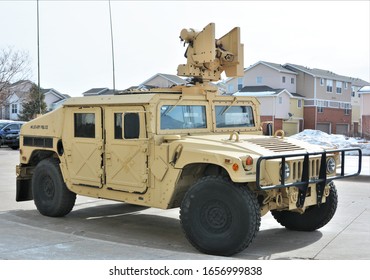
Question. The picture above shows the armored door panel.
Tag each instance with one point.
(83, 146)
(126, 149)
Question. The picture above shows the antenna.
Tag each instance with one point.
(38, 55)
(111, 36)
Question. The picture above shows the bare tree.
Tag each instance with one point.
(14, 66)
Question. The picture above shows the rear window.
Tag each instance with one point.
(234, 116)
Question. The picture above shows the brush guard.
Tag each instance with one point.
(305, 181)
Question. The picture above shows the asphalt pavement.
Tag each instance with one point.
(106, 230)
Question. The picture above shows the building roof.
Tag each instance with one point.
(278, 67)
(365, 89)
(326, 74)
(98, 91)
(172, 78)
(54, 92)
(260, 91)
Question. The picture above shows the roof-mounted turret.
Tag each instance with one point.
(207, 57)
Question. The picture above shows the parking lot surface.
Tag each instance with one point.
(105, 230)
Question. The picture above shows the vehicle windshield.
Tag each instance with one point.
(3, 124)
(234, 116)
(183, 117)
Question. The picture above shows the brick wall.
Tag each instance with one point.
(329, 115)
(366, 126)
(334, 116)
(309, 117)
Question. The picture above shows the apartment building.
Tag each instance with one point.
(275, 88)
(357, 104)
(328, 99)
(264, 73)
(331, 101)
(364, 93)
(284, 110)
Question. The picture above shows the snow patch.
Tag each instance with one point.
(336, 141)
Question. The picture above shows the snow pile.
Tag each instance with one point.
(336, 141)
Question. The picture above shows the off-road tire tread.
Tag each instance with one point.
(65, 201)
(251, 201)
(313, 218)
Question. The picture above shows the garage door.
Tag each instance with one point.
(290, 128)
(342, 129)
(325, 127)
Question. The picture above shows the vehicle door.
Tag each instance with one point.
(11, 129)
(126, 147)
(83, 145)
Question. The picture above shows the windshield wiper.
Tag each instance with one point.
(173, 107)
(228, 107)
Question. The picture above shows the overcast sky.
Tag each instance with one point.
(75, 45)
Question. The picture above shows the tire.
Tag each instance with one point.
(50, 194)
(219, 217)
(313, 218)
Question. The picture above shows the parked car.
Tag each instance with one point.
(9, 133)
(12, 140)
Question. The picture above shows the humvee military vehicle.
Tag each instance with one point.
(186, 146)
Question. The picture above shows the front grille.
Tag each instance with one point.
(297, 168)
(275, 144)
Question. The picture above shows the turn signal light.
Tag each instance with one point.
(235, 167)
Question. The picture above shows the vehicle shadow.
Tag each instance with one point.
(141, 226)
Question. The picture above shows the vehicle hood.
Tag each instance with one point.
(247, 144)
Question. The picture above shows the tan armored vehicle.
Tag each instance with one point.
(186, 146)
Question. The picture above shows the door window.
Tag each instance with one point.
(130, 128)
(84, 125)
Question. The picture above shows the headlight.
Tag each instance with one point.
(330, 165)
(287, 171)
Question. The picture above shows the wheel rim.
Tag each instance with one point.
(47, 187)
(216, 216)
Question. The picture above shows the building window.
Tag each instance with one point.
(320, 106)
(283, 79)
(14, 108)
(240, 83)
(345, 85)
(259, 80)
(329, 85)
(339, 87)
(353, 94)
(292, 81)
(280, 100)
(299, 103)
(347, 108)
(322, 82)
